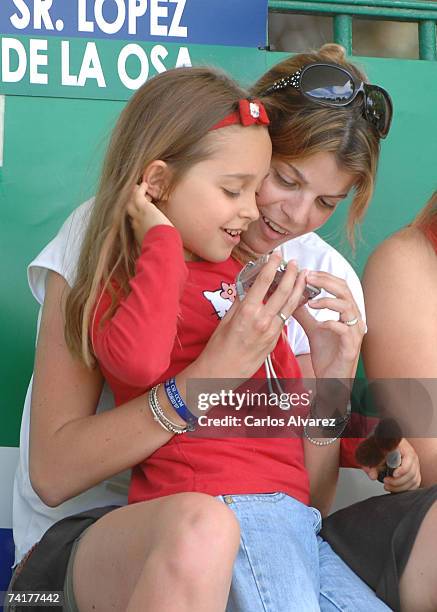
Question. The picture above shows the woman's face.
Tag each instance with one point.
(296, 197)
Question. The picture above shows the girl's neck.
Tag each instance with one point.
(189, 256)
(241, 253)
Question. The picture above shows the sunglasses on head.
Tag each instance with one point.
(333, 85)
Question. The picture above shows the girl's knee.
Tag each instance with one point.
(206, 519)
(206, 534)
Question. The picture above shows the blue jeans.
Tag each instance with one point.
(284, 566)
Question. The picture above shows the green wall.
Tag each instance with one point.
(52, 152)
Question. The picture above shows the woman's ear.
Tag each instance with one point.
(157, 176)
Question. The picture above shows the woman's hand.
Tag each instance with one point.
(407, 476)
(143, 213)
(335, 346)
(251, 328)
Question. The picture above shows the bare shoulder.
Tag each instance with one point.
(403, 242)
(404, 257)
(400, 291)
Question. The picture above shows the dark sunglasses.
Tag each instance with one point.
(332, 85)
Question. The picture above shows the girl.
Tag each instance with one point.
(146, 334)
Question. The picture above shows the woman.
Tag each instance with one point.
(97, 434)
(405, 265)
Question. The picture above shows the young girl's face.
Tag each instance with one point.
(216, 199)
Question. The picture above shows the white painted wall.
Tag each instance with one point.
(354, 485)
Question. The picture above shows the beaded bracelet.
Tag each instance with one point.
(160, 417)
(179, 405)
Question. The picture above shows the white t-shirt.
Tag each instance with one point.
(31, 517)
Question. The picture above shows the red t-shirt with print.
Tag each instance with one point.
(157, 330)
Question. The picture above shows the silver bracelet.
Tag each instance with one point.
(322, 442)
(316, 441)
(160, 417)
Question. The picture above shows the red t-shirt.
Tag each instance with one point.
(157, 330)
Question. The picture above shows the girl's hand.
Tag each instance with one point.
(251, 328)
(143, 213)
(407, 476)
(335, 346)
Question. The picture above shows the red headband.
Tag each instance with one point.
(250, 112)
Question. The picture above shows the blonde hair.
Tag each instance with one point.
(300, 128)
(166, 119)
(428, 214)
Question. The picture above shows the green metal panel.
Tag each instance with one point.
(427, 40)
(343, 31)
(377, 9)
(343, 11)
(52, 152)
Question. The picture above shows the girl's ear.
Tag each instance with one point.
(157, 175)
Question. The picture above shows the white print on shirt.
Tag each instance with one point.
(222, 299)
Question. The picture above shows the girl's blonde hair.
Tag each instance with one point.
(428, 214)
(300, 128)
(166, 119)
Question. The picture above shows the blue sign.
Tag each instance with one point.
(241, 23)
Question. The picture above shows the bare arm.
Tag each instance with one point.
(322, 461)
(401, 300)
(334, 354)
(71, 448)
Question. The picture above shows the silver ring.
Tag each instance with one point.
(353, 321)
(283, 318)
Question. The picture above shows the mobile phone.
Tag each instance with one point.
(248, 274)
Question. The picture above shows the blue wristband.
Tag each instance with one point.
(179, 405)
